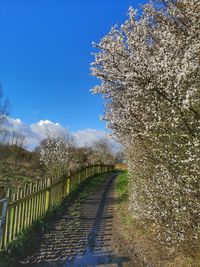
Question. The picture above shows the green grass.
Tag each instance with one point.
(122, 183)
(144, 240)
(122, 187)
(29, 239)
(122, 198)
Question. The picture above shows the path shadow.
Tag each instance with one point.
(82, 237)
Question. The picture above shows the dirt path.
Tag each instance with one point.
(83, 236)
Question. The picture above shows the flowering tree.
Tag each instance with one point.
(150, 80)
(57, 154)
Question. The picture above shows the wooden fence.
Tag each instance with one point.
(30, 203)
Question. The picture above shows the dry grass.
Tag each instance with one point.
(18, 166)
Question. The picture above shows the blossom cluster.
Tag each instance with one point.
(150, 81)
(57, 154)
(60, 154)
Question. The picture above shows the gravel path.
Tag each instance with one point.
(83, 236)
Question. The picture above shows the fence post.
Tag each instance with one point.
(2, 195)
(3, 217)
(48, 194)
(68, 185)
(6, 220)
(93, 170)
(79, 175)
(65, 187)
(86, 172)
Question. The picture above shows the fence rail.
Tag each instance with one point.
(28, 204)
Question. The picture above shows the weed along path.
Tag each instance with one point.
(83, 236)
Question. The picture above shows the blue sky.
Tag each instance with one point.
(45, 55)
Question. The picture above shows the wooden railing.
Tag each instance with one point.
(30, 203)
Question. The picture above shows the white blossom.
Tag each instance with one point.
(57, 154)
(150, 81)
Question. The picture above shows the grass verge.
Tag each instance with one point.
(138, 239)
(29, 239)
(122, 197)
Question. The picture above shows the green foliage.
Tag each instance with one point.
(122, 186)
(122, 198)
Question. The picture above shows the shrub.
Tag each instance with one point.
(150, 80)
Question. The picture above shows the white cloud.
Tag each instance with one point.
(18, 126)
(46, 128)
(38, 131)
(87, 136)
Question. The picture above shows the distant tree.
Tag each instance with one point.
(119, 157)
(16, 143)
(4, 105)
(83, 155)
(17, 139)
(102, 152)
